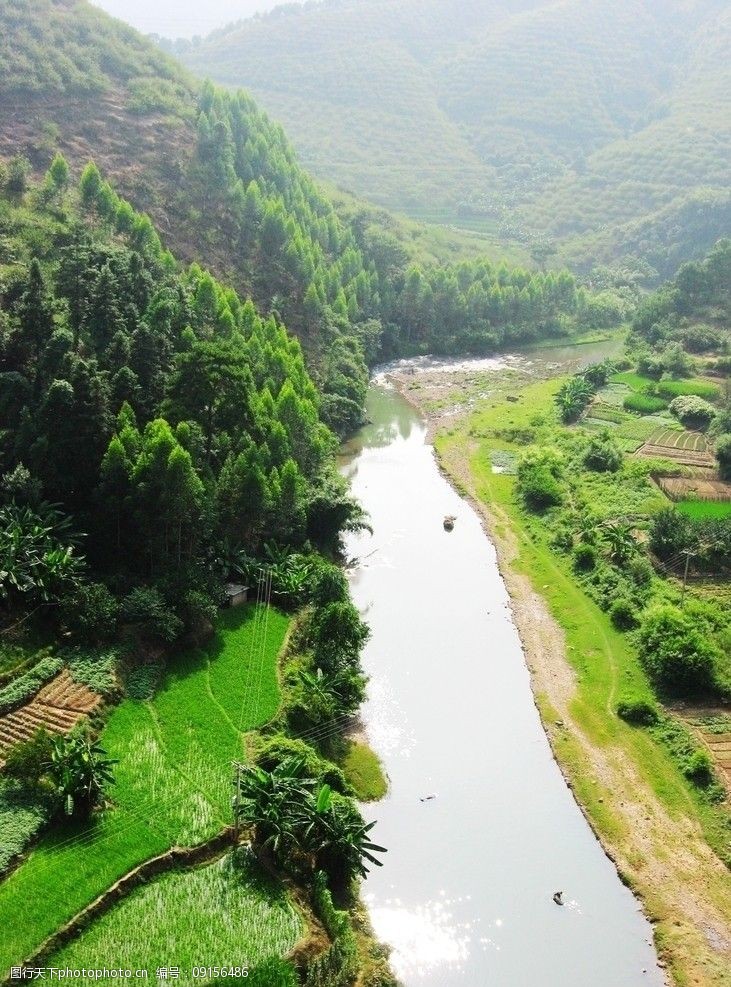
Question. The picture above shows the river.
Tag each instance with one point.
(465, 895)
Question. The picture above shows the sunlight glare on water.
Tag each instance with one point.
(479, 824)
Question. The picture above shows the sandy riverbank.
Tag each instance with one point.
(663, 857)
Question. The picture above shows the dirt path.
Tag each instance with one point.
(683, 886)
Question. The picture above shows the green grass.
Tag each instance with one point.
(363, 770)
(172, 782)
(705, 510)
(225, 913)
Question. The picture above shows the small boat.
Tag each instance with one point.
(449, 522)
(558, 897)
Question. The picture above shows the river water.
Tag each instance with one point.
(465, 896)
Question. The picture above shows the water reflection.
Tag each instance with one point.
(465, 896)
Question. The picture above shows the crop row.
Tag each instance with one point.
(686, 441)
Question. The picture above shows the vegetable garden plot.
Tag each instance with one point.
(687, 448)
(57, 708)
(687, 488)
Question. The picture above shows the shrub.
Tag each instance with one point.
(723, 455)
(541, 490)
(623, 615)
(603, 455)
(27, 761)
(650, 365)
(199, 611)
(337, 634)
(670, 533)
(638, 710)
(91, 612)
(675, 654)
(693, 412)
(327, 583)
(699, 768)
(644, 404)
(146, 609)
(539, 473)
(272, 751)
(585, 557)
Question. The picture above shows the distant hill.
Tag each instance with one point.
(604, 125)
(223, 186)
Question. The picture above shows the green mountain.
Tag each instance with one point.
(222, 185)
(598, 124)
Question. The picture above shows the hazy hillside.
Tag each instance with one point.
(220, 181)
(601, 124)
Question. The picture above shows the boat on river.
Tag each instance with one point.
(449, 522)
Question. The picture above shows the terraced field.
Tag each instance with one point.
(172, 782)
(58, 707)
(714, 728)
(686, 448)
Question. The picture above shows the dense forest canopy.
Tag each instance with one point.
(600, 125)
(173, 422)
(220, 180)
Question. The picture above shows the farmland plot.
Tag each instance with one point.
(172, 782)
(57, 708)
(225, 913)
(684, 447)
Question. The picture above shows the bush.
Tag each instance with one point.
(585, 558)
(27, 761)
(539, 473)
(91, 612)
(723, 455)
(326, 584)
(638, 710)
(675, 654)
(644, 404)
(199, 612)
(603, 455)
(146, 609)
(273, 750)
(623, 615)
(670, 534)
(693, 412)
(699, 768)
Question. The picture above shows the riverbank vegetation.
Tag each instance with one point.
(602, 509)
(163, 441)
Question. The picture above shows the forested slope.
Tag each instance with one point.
(221, 182)
(217, 178)
(599, 124)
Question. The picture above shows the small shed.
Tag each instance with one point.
(236, 594)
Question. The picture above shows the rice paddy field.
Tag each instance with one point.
(227, 913)
(705, 510)
(172, 782)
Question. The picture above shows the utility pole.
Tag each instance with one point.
(236, 803)
(688, 555)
